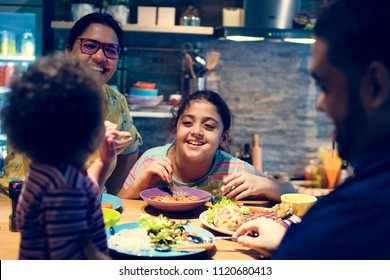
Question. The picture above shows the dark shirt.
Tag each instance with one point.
(353, 221)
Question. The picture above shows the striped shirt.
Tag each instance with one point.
(223, 164)
(56, 206)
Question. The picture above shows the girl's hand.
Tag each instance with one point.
(158, 170)
(242, 185)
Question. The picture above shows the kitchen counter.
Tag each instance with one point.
(159, 111)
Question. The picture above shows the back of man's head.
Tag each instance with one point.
(357, 32)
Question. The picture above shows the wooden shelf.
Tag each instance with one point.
(16, 58)
(177, 29)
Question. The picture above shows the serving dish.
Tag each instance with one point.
(115, 201)
(175, 206)
(152, 253)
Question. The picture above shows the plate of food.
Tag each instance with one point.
(164, 200)
(227, 216)
(148, 235)
(111, 201)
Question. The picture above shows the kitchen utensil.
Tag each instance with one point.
(199, 239)
(212, 59)
(175, 190)
(257, 153)
(206, 246)
(190, 65)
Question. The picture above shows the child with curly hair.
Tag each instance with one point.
(54, 114)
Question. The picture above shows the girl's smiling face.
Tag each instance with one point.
(199, 132)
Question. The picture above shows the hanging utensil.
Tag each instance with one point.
(190, 65)
(212, 60)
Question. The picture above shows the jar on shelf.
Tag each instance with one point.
(190, 17)
(28, 43)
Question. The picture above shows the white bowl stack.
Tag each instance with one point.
(144, 94)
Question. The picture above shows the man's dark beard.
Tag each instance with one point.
(349, 131)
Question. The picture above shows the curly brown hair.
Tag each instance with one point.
(54, 110)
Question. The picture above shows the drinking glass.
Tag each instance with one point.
(332, 164)
(215, 182)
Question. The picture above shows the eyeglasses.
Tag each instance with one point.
(90, 46)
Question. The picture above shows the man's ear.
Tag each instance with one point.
(225, 139)
(376, 91)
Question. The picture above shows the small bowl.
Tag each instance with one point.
(204, 197)
(144, 85)
(111, 217)
(143, 92)
(301, 203)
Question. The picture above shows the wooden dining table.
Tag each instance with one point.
(131, 210)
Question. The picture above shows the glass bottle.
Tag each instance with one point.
(246, 156)
(14, 191)
(28, 43)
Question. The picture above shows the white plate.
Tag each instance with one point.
(203, 218)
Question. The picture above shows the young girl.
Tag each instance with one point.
(55, 115)
(200, 127)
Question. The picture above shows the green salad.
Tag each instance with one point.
(224, 202)
(161, 230)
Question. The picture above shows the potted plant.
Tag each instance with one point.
(80, 8)
(119, 9)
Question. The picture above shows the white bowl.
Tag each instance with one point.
(145, 100)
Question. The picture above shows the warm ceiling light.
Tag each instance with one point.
(300, 40)
(244, 38)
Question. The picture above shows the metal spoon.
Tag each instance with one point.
(198, 239)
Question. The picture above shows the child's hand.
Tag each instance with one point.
(158, 170)
(114, 143)
(240, 185)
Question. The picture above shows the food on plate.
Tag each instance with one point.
(224, 202)
(228, 217)
(107, 205)
(151, 232)
(161, 229)
(283, 209)
(174, 198)
(130, 240)
(228, 214)
(265, 212)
